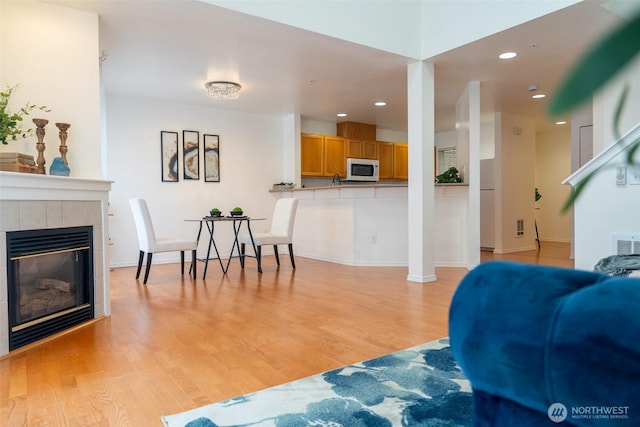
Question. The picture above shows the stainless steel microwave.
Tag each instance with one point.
(363, 170)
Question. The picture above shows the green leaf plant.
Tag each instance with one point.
(11, 123)
(599, 65)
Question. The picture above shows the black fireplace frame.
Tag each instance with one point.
(25, 243)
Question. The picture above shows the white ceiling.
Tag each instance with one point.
(166, 50)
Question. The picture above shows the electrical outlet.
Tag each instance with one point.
(621, 175)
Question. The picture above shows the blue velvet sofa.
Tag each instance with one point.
(548, 346)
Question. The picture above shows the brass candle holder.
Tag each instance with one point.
(40, 162)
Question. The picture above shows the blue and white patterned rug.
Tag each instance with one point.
(420, 386)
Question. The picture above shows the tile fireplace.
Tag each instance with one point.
(67, 281)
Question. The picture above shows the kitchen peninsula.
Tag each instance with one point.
(367, 224)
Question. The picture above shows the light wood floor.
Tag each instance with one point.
(176, 344)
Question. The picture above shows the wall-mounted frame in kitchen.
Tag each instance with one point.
(211, 158)
(169, 156)
(191, 154)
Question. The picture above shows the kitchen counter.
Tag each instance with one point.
(367, 224)
(360, 186)
(341, 186)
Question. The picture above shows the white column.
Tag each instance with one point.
(473, 176)
(421, 132)
(291, 148)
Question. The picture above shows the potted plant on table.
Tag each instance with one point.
(450, 176)
(215, 212)
(237, 211)
(280, 186)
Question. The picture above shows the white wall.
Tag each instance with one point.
(487, 140)
(606, 102)
(317, 127)
(446, 139)
(605, 208)
(449, 24)
(417, 29)
(515, 183)
(250, 163)
(392, 26)
(51, 52)
(391, 135)
(553, 165)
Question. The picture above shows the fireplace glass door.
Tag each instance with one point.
(49, 281)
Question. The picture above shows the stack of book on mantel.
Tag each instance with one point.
(17, 162)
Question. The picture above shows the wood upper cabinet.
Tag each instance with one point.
(369, 150)
(323, 155)
(394, 160)
(312, 155)
(326, 155)
(385, 158)
(357, 131)
(400, 161)
(335, 156)
(354, 148)
(361, 138)
(362, 149)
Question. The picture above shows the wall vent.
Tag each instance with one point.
(626, 244)
(519, 227)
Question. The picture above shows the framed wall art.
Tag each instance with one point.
(191, 154)
(211, 158)
(169, 156)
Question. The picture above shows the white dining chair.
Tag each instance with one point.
(151, 244)
(281, 233)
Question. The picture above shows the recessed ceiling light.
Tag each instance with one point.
(342, 114)
(538, 96)
(561, 122)
(507, 55)
(380, 104)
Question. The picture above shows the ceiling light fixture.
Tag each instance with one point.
(538, 96)
(507, 55)
(380, 104)
(223, 89)
(561, 122)
(341, 114)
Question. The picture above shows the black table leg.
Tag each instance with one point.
(211, 227)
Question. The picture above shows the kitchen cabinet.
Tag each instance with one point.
(394, 160)
(356, 131)
(400, 161)
(385, 158)
(335, 156)
(361, 149)
(312, 155)
(361, 139)
(326, 155)
(323, 155)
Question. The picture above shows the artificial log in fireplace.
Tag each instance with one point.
(49, 281)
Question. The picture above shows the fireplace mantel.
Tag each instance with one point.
(30, 186)
(32, 201)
